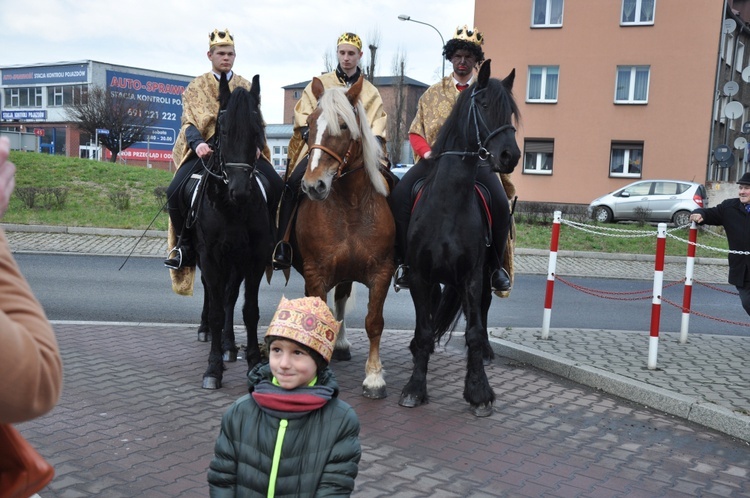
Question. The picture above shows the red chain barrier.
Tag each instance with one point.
(703, 315)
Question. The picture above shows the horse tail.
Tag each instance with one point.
(448, 312)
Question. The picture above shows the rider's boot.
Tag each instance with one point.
(182, 254)
(500, 280)
(401, 277)
(282, 253)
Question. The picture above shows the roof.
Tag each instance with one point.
(379, 81)
(279, 130)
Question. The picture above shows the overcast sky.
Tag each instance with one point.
(284, 41)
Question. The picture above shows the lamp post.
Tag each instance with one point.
(404, 17)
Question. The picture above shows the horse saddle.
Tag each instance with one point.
(482, 197)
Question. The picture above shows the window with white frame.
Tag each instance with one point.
(23, 97)
(637, 12)
(58, 96)
(543, 82)
(537, 156)
(728, 53)
(626, 159)
(632, 85)
(547, 13)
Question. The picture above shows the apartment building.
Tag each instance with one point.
(612, 91)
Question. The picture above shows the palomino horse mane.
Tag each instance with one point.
(335, 104)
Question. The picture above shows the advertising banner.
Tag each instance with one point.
(70, 73)
(164, 97)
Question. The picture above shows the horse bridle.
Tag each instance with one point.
(222, 174)
(483, 154)
(343, 162)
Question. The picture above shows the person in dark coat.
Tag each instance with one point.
(291, 436)
(734, 216)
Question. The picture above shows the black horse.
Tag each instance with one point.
(233, 230)
(447, 237)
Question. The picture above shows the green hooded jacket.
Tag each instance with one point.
(319, 455)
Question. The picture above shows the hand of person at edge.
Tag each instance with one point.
(7, 175)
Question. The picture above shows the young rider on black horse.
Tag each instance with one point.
(348, 52)
(465, 52)
(200, 108)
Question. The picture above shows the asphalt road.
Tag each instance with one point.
(91, 288)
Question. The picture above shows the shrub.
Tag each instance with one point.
(120, 199)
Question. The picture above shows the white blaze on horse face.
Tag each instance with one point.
(314, 160)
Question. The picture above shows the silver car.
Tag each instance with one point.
(652, 200)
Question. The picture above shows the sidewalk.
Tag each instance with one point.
(706, 380)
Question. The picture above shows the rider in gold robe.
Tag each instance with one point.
(465, 53)
(194, 146)
(349, 53)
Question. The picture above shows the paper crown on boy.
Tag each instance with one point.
(308, 321)
(351, 39)
(470, 35)
(220, 38)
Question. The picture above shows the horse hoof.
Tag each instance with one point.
(211, 383)
(202, 336)
(341, 355)
(483, 410)
(230, 356)
(374, 393)
(410, 401)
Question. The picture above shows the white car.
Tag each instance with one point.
(652, 200)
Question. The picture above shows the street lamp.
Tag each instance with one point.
(404, 17)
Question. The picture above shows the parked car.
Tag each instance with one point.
(652, 200)
(400, 169)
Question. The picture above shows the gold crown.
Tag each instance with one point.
(351, 39)
(473, 36)
(220, 38)
(308, 321)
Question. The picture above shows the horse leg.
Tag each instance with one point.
(488, 354)
(415, 391)
(374, 384)
(214, 373)
(251, 316)
(341, 295)
(203, 327)
(477, 389)
(228, 343)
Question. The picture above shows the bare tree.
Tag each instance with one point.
(126, 119)
(397, 115)
(373, 46)
(330, 61)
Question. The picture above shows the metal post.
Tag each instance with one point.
(404, 17)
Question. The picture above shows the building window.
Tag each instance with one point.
(23, 97)
(728, 52)
(58, 96)
(740, 57)
(632, 85)
(297, 94)
(636, 12)
(547, 13)
(626, 160)
(537, 157)
(276, 150)
(543, 84)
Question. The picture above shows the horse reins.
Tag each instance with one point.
(483, 154)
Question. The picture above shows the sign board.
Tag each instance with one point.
(24, 115)
(102, 131)
(39, 132)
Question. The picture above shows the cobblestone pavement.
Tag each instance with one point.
(134, 417)
(134, 421)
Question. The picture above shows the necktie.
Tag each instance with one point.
(461, 87)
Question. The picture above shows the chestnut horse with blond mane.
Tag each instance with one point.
(345, 230)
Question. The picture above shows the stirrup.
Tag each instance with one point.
(174, 263)
(399, 278)
(506, 277)
(282, 256)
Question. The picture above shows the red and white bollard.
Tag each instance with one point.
(551, 268)
(653, 343)
(688, 291)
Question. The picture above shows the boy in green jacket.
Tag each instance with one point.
(292, 435)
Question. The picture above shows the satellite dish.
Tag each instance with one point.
(734, 110)
(746, 127)
(731, 88)
(729, 25)
(740, 143)
(722, 153)
(746, 74)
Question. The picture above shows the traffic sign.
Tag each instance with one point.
(102, 131)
